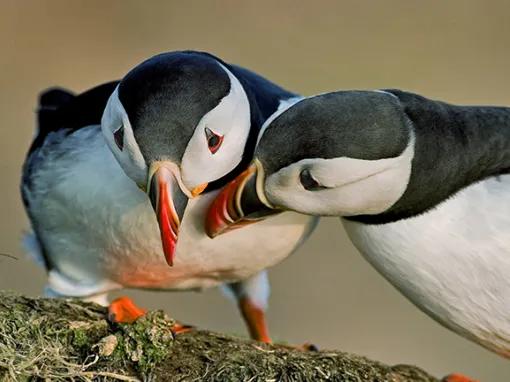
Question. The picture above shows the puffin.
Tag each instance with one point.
(422, 188)
(118, 179)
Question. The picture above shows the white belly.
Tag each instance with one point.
(453, 262)
(100, 230)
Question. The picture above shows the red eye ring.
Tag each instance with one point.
(214, 140)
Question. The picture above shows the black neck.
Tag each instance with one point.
(455, 146)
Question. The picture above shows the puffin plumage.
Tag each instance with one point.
(422, 188)
(93, 224)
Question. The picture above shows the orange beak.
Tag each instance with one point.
(238, 204)
(169, 203)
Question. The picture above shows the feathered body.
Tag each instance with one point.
(107, 236)
(422, 187)
(96, 231)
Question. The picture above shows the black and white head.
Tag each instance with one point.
(339, 154)
(175, 123)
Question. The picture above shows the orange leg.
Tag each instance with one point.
(457, 378)
(124, 310)
(255, 319)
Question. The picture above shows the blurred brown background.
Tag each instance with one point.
(457, 51)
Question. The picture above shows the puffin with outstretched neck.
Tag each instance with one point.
(422, 187)
(118, 180)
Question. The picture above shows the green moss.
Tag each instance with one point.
(147, 341)
(80, 338)
(119, 354)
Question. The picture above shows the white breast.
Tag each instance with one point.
(453, 262)
(100, 229)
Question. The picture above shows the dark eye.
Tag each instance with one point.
(213, 140)
(118, 136)
(308, 181)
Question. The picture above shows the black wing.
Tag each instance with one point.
(60, 109)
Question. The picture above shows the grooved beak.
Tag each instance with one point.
(239, 203)
(169, 203)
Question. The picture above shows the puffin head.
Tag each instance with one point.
(175, 123)
(339, 154)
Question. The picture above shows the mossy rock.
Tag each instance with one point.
(61, 340)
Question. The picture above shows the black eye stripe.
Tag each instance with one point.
(118, 136)
(308, 181)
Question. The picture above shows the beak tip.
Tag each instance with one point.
(169, 257)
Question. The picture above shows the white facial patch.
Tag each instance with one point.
(351, 186)
(230, 119)
(130, 157)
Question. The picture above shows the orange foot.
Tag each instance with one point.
(124, 310)
(179, 328)
(457, 378)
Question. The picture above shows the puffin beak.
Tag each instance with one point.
(169, 203)
(241, 202)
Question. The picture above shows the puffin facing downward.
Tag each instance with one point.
(423, 189)
(169, 134)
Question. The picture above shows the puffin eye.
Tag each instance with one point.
(308, 181)
(118, 136)
(214, 140)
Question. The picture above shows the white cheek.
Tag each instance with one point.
(231, 118)
(355, 187)
(130, 158)
(369, 196)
